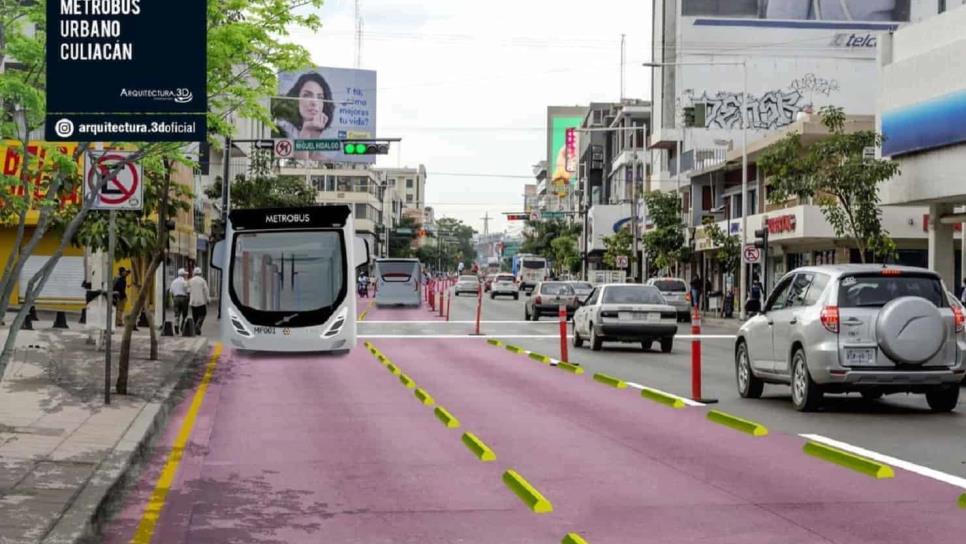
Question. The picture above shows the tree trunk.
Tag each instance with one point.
(124, 360)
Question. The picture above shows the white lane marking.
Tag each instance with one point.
(892, 461)
(705, 336)
(459, 336)
(465, 322)
(685, 400)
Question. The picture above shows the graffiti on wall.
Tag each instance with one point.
(769, 111)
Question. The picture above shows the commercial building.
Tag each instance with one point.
(557, 188)
(530, 196)
(924, 125)
(410, 184)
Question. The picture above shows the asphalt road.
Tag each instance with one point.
(338, 449)
(897, 425)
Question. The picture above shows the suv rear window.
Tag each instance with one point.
(671, 286)
(556, 289)
(505, 277)
(874, 291)
(632, 294)
(397, 271)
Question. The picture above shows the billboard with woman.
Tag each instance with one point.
(325, 104)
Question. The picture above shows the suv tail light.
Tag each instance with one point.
(959, 317)
(830, 318)
(538, 300)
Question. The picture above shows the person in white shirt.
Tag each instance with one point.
(179, 290)
(198, 295)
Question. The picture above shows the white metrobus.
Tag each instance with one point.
(398, 282)
(288, 277)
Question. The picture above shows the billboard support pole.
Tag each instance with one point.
(224, 210)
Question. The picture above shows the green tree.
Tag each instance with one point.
(539, 236)
(664, 244)
(834, 174)
(618, 245)
(401, 243)
(566, 257)
(728, 253)
(454, 244)
(261, 188)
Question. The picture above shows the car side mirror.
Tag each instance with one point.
(218, 254)
(361, 251)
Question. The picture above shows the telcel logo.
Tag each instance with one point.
(854, 40)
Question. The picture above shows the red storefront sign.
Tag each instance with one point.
(782, 223)
(39, 171)
(958, 227)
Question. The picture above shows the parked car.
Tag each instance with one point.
(623, 312)
(675, 291)
(871, 329)
(467, 284)
(504, 285)
(546, 299)
(488, 282)
(581, 288)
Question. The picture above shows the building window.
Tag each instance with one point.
(360, 211)
(409, 199)
(942, 6)
(392, 182)
(318, 182)
(409, 184)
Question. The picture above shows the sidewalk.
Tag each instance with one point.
(62, 450)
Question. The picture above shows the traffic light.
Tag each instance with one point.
(689, 116)
(761, 238)
(364, 148)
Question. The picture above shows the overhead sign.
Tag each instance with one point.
(114, 73)
(516, 217)
(123, 191)
(621, 261)
(751, 254)
(535, 215)
(313, 146)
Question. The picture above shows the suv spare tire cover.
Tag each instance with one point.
(910, 330)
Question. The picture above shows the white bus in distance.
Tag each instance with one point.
(288, 277)
(398, 282)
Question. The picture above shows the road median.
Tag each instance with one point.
(852, 461)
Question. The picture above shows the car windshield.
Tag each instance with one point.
(632, 294)
(534, 264)
(556, 289)
(874, 291)
(671, 286)
(469, 279)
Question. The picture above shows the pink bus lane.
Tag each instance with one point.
(620, 468)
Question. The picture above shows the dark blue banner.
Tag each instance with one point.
(126, 128)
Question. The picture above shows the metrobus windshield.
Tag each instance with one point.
(288, 278)
(534, 263)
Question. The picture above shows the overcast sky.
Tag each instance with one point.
(466, 84)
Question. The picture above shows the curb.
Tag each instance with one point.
(737, 423)
(92, 505)
(496, 343)
(407, 381)
(446, 418)
(534, 500)
(573, 538)
(849, 460)
(573, 369)
(479, 449)
(538, 357)
(513, 349)
(424, 397)
(662, 398)
(393, 369)
(962, 500)
(610, 380)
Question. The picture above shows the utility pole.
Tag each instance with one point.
(486, 223)
(634, 227)
(358, 17)
(623, 60)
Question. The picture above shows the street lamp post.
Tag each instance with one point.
(745, 208)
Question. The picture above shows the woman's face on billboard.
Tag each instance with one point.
(311, 99)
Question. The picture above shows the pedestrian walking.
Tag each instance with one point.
(696, 286)
(120, 296)
(179, 290)
(198, 297)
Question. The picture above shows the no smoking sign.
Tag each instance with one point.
(123, 191)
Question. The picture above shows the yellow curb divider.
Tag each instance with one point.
(573, 538)
(362, 316)
(574, 369)
(494, 342)
(383, 359)
(662, 398)
(534, 500)
(394, 369)
(962, 500)
(610, 380)
(514, 349)
(446, 418)
(479, 449)
(424, 397)
(368, 345)
(538, 357)
(737, 423)
(407, 381)
(849, 460)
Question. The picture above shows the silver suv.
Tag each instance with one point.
(872, 329)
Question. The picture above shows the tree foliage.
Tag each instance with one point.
(664, 244)
(539, 235)
(454, 244)
(728, 246)
(401, 243)
(834, 174)
(565, 254)
(618, 245)
(260, 187)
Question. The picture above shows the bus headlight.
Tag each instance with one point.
(238, 325)
(336, 327)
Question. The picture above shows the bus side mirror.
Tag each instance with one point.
(218, 254)
(361, 251)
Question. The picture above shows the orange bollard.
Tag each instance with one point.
(479, 310)
(449, 303)
(442, 299)
(696, 358)
(562, 314)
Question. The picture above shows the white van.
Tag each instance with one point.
(398, 282)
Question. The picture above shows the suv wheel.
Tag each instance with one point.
(943, 399)
(749, 387)
(806, 394)
(596, 342)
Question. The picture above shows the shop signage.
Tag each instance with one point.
(958, 227)
(781, 224)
